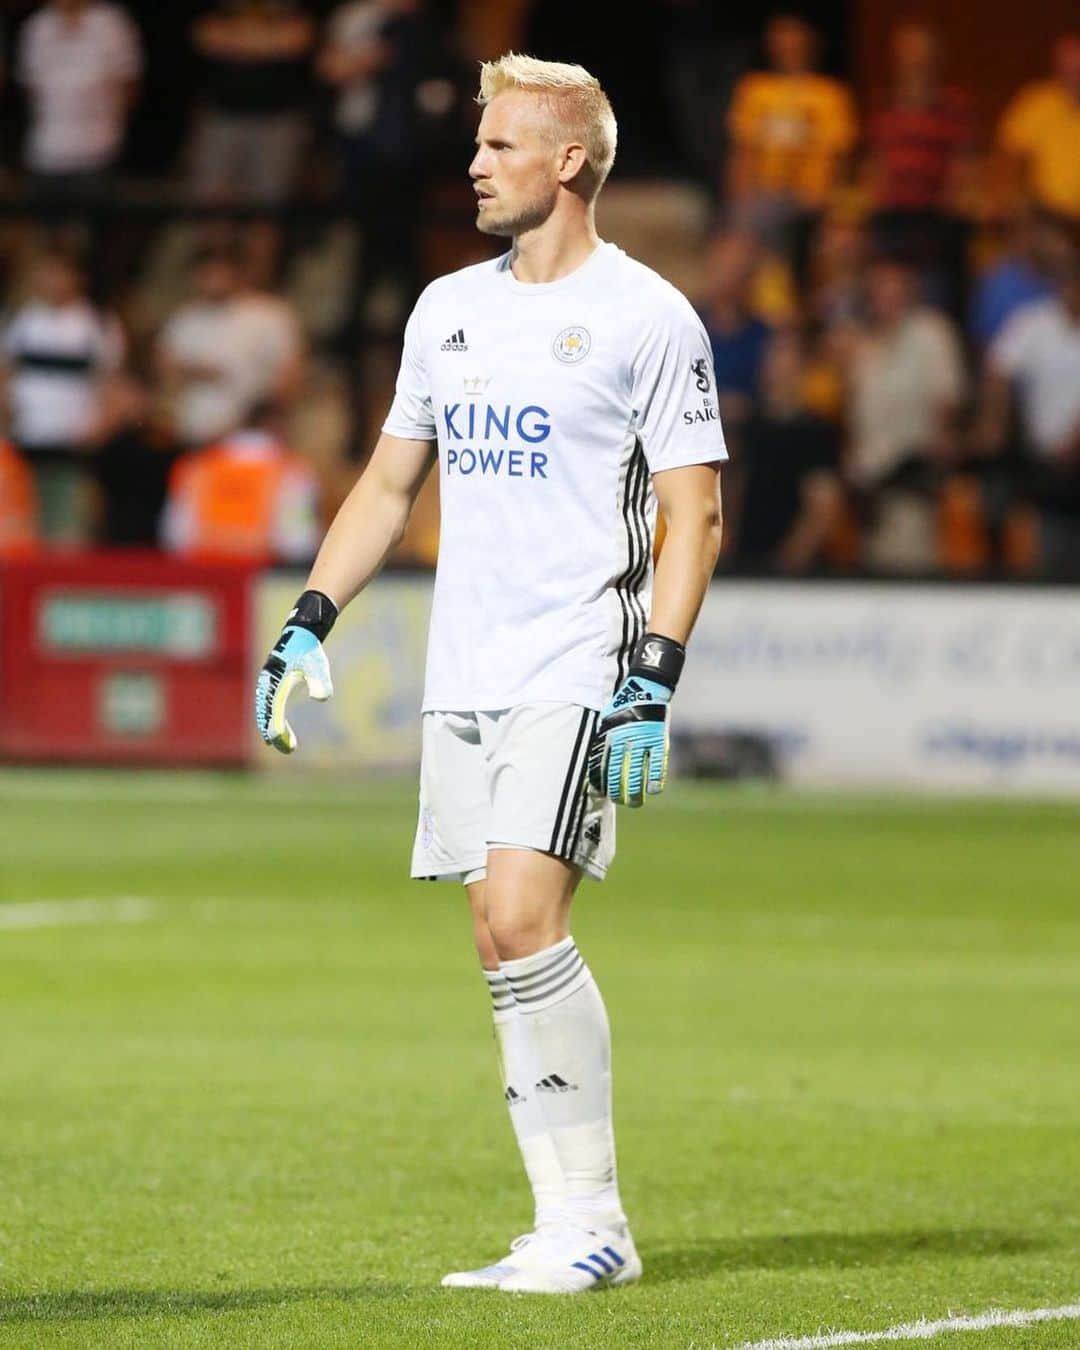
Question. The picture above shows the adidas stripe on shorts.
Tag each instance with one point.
(514, 778)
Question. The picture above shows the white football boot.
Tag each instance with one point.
(577, 1261)
(522, 1250)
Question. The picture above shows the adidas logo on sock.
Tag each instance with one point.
(455, 342)
(553, 1083)
(512, 1098)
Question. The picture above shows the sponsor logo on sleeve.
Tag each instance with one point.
(700, 369)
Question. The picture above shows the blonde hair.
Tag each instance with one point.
(578, 106)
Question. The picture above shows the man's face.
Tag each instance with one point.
(914, 49)
(889, 290)
(215, 280)
(732, 261)
(790, 45)
(514, 171)
(57, 282)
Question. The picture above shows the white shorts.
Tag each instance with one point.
(515, 778)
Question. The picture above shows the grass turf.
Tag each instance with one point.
(847, 1035)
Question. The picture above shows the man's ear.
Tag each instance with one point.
(572, 160)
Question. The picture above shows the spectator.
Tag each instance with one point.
(18, 506)
(906, 383)
(1019, 276)
(224, 349)
(269, 339)
(921, 161)
(253, 126)
(1039, 136)
(791, 495)
(738, 337)
(792, 131)
(371, 59)
(835, 293)
(921, 143)
(1035, 366)
(80, 61)
(131, 467)
(247, 496)
(57, 351)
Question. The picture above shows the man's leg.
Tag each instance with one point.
(562, 1024)
(519, 1074)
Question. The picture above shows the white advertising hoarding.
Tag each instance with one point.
(946, 685)
(854, 683)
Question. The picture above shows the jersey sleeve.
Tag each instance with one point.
(411, 415)
(673, 392)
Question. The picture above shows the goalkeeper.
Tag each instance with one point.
(564, 390)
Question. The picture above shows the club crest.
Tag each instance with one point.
(572, 345)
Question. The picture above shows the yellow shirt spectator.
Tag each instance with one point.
(793, 131)
(1042, 126)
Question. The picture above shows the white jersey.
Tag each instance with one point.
(553, 404)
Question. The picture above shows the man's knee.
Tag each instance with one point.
(516, 933)
(527, 897)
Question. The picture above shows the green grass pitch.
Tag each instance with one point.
(847, 1070)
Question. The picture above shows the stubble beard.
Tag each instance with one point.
(528, 217)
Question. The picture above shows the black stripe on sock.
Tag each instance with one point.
(556, 989)
(538, 990)
(552, 968)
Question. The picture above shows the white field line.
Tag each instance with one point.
(921, 1330)
(31, 914)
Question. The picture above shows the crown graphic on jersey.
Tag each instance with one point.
(455, 342)
(477, 384)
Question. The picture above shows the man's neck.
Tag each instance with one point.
(553, 251)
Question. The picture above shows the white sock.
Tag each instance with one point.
(518, 1076)
(564, 1024)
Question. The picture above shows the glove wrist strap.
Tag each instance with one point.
(658, 658)
(315, 612)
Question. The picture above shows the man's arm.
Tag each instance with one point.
(629, 755)
(690, 500)
(370, 522)
(372, 518)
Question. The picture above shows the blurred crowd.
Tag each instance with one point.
(195, 359)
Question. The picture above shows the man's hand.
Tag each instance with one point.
(629, 754)
(297, 658)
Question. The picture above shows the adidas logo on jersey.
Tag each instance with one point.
(512, 1098)
(455, 342)
(553, 1083)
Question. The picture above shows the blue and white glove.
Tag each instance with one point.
(629, 754)
(297, 658)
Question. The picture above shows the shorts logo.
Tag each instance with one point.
(427, 828)
(572, 345)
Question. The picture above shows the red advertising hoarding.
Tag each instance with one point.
(125, 657)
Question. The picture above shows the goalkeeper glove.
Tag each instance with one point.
(629, 754)
(297, 658)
